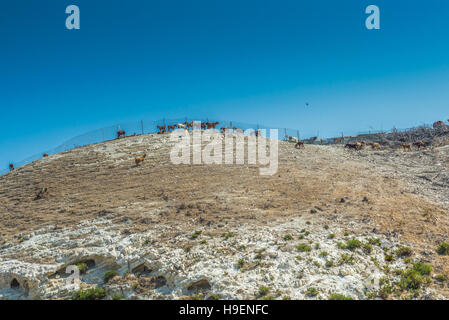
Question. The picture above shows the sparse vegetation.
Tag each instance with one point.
(389, 257)
(404, 252)
(413, 279)
(108, 275)
(312, 292)
(228, 235)
(90, 294)
(82, 267)
(263, 290)
(324, 254)
(337, 296)
(195, 235)
(288, 237)
(346, 258)
(441, 278)
(353, 244)
(374, 241)
(329, 263)
(367, 248)
(443, 249)
(240, 263)
(303, 247)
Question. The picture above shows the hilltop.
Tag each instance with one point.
(330, 221)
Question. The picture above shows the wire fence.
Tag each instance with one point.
(147, 127)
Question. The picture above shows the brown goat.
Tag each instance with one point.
(355, 146)
(406, 146)
(419, 144)
(120, 133)
(161, 129)
(375, 145)
(338, 140)
(45, 155)
(139, 160)
(299, 145)
(11, 167)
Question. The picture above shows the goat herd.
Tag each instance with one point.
(186, 125)
(298, 143)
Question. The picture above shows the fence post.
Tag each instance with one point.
(141, 125)
(102, 133)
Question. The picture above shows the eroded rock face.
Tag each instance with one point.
(202, 284)
(210, 267)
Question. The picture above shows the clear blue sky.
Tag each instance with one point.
(251, 61)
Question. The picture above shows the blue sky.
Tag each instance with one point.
(251, 61)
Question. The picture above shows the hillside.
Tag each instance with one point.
(331, 219)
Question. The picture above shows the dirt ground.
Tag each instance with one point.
(402, 195)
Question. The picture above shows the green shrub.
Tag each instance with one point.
(413, 279)
(263, 290)
(228, 235)
(352, 244)
(329, 263)
(367, 248)
(385, 290)
(302, 247)
(443, 249)
(196, 234)
(337, 296)
(288, 237)
(331, 236)
(89, 294)
(374, 241)
(423, 268)
(312, 292)
(108, 275)
(404, 252)
(441, 278)
(240, 263)
(410, 280)
(117, 297)
(324, 254)
(389, 257)
(82, 267)
(346, 258)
